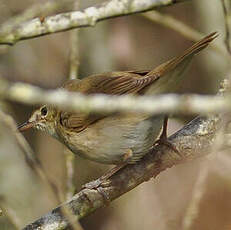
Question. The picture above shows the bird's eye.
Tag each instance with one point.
(44, 111)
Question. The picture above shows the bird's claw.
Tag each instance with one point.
(166, 142)
(96, 184)
(93, 184)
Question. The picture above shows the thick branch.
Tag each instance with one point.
(194, 140)
(87, 17)
(36, 10)
(170, 103)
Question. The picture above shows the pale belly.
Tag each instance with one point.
(109, 139)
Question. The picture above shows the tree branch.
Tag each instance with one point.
(226, 9)
(36, 10)
(169, 103)
(76, 19)
(74, 50)
(192, 141)
(182, 28)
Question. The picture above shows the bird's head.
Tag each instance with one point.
(43, 119)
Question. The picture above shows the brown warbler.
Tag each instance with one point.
(117, 138)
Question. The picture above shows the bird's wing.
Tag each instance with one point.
(130, 82)
(112, 83)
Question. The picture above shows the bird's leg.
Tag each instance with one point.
(112, 171)
(96, 183)
(163, 137)
(128, 154)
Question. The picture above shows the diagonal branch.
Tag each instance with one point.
(76, 19)
(192, 141)
(182, 28)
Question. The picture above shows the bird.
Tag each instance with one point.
(117, 138)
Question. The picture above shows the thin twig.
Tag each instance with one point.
(192, 141)
(227, 24)
(33, 163)
(30, 158)
(74, 54)
(10, 214)
(197, 194)
(73, 74)
(36, 10)
(200, 184)
(76, 19)
(70, 160)
(70, 169)
(169, 103)
(180, 27)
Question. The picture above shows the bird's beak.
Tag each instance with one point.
(26, 125)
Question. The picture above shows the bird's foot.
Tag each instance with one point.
(102, 182)
(103, 179)
(163, 139)
(98, 185)
(93, 184)
(166, 142)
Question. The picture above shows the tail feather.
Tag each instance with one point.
(198, 46)
(189, 53)
(166, 77)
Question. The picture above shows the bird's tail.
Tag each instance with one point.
(172, 70)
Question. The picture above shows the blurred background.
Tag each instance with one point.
(194, 195)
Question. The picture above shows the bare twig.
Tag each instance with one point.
(73, 74)
(66, 212)
(70, 169)
(73, 221)
(30, 158)
(74, 54)
(33, 163)
(197, 194)
(36, 10)
(174, 24)
(180, 27)
(10, 214)
(200, 184)
(226, 10)
(170, 103)
(194, 140)
(76, 19)
(70, 161)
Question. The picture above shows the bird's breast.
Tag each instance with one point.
(108, 139)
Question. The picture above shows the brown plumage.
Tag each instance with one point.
(115, 138)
